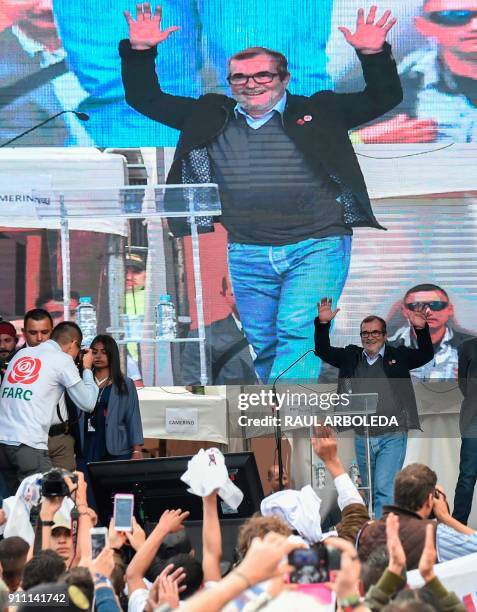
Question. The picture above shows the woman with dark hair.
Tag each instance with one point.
(113, 430)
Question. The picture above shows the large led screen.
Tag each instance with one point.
(58, 55)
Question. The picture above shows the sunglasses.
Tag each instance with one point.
(451, 18)
(436, 305)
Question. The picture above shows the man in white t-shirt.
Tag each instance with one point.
(35, 380)
(37, 328)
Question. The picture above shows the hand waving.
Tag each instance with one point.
(418, 318)
(429, 555)
(369, 36)
(171, 520)
(145, 32)
(324, 444)
(325, 314)
(397, 556)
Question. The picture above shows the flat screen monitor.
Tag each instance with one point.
(156, 486)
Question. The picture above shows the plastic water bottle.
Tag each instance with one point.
(354, 474)
(86, 319)
(320, 472)
(165, 318)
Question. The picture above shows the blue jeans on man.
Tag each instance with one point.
(387, 453)
(276, 289)
(464, 491)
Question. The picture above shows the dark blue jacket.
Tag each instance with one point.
(123, 421)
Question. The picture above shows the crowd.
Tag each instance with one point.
(364, 564)
(63, 407)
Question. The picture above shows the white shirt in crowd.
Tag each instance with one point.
(33, 384)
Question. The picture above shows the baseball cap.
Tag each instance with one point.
(8, 329)
(60, 520)
(135, 261)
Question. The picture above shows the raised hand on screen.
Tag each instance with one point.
(325, 312)
(401, 128)
(145, 31)
(418, 317)
(369, 36)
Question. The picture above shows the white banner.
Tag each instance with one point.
(458, 575)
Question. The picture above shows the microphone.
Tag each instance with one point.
(81, 117)
(278, 430)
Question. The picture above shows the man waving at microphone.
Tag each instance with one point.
(35, 380)
(377, 367)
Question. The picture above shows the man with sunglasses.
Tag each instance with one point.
(290, 184)
(35, 380)
(445, 337)
(439, 80)
(377, 367)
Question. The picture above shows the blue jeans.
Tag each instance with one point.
(464, 491)
(276, 289)
(387, 455)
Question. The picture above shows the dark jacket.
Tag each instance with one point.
(353, 517)
(323, 141)
(397, 363)
(467, 375)
(412, 533)
(123, 421)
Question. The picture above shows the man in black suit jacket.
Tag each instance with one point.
(290, 184)
(377, 367)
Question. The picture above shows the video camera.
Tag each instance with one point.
(53, 483)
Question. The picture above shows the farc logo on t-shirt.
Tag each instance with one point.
(25, 371)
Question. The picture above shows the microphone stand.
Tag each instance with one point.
(81, 117)
(278, 427)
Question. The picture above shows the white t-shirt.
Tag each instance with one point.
(138, 600)
(32, 386)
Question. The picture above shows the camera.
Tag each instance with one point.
(53, 483)
(79, 358)
(312, 565)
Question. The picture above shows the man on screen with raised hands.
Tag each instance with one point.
(377, 367)
(289, 181)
